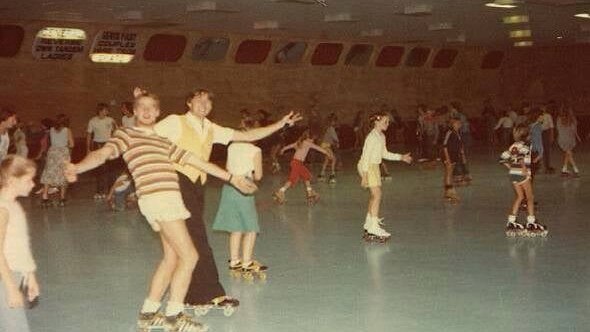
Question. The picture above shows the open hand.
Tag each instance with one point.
(70, 172)
(243, 184)
(407, 158)
(291, 118)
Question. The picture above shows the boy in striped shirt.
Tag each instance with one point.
(149, 158)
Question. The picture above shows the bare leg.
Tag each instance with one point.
(248, 247)
(519, 191)
(163, 274)
(44, 193)
(62, 192)
(374, 201)
(527, 188)
(235, 238)
(176, 234)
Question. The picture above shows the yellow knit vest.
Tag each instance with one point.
(199, 146)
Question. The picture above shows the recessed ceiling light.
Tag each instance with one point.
(515, 19)
(582, 15)
(527, 43)
(520, 33)
(559, 37)
(501, 4)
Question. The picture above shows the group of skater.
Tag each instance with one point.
(167, 165)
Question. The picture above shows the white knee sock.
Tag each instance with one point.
(150, 306)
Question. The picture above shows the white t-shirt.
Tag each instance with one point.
(514, 116)
(547, 121)
(4, 143)
(504, 122)
(240, 158)
(59, 138)
(101, 128)
(128, 121)
(20, 142)
(17, 248)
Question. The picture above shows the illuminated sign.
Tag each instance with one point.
(114, 47)
(58, 43)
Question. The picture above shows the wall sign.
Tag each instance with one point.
(58, 43)
(114, 47)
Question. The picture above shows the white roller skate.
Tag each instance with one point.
(332, 179)
(279, 197)
(451, 196)
(534, 229)
(235, 268)
(374, 232)
(276, 167)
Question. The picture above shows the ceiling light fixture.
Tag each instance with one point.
(520, 33)
(582, 15)
(527, 43)
(506, 4)
(515, 19)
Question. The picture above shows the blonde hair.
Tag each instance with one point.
(377, 116)
(153, 96)
(13, 166)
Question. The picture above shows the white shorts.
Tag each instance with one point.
(162, 207)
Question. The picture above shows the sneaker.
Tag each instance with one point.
(184, 323)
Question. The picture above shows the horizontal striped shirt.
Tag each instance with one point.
(149, 158)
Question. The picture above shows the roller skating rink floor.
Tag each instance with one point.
(446, 267)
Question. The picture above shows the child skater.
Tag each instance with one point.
(518, 160)
(298, 169)
(237, 212)
(374, 151)
(453, 155)
(330, 143)
(149, 158)
(17, 266)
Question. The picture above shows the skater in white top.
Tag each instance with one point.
(374, 151)
(18, 282)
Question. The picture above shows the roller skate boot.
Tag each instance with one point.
(534, 229)
(321, 178)
(514, 229)
(374, 233)
(279, 197)
(254, 269)
(61, 203)
(332, 179)
(235, 267)
(276, 167)
(45, 203)
(312, 197)
(225, 303)
(565, 174)
(451, 196)
(151, 322)
(183, 323)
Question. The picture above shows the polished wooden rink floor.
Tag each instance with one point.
(446, 268)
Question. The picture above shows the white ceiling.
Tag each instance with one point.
(479, 25)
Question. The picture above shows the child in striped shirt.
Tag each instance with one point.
(149, 158)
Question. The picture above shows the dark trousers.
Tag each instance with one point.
(205, 284)
(102, 173)
(547, 149)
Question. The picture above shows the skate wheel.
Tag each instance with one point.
(262, 276)
(228, 311)
(248, 276)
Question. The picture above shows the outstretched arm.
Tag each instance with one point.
(287, 147)
(240, 182)
(91, 161)
(260, 133)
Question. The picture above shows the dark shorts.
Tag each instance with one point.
(515, 178)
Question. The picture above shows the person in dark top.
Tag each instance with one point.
(453, 155)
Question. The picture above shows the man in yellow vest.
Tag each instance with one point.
(193, 132)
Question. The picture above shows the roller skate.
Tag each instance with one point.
(235, 268)
(576, 175)
(254, 269)
(514, 229)
(565, 174)
(276, 167)
(386, 177)
(45, 203)
(321, 178)
(374, 232)
(151, 322)
(312, 197)
(225, 303)
(183, 323)
(534, 229)
(279, 197)
(332, 179)
(451, 196)
(61, 202)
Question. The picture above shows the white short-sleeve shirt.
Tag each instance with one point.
(101, 129)
(240, 158)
